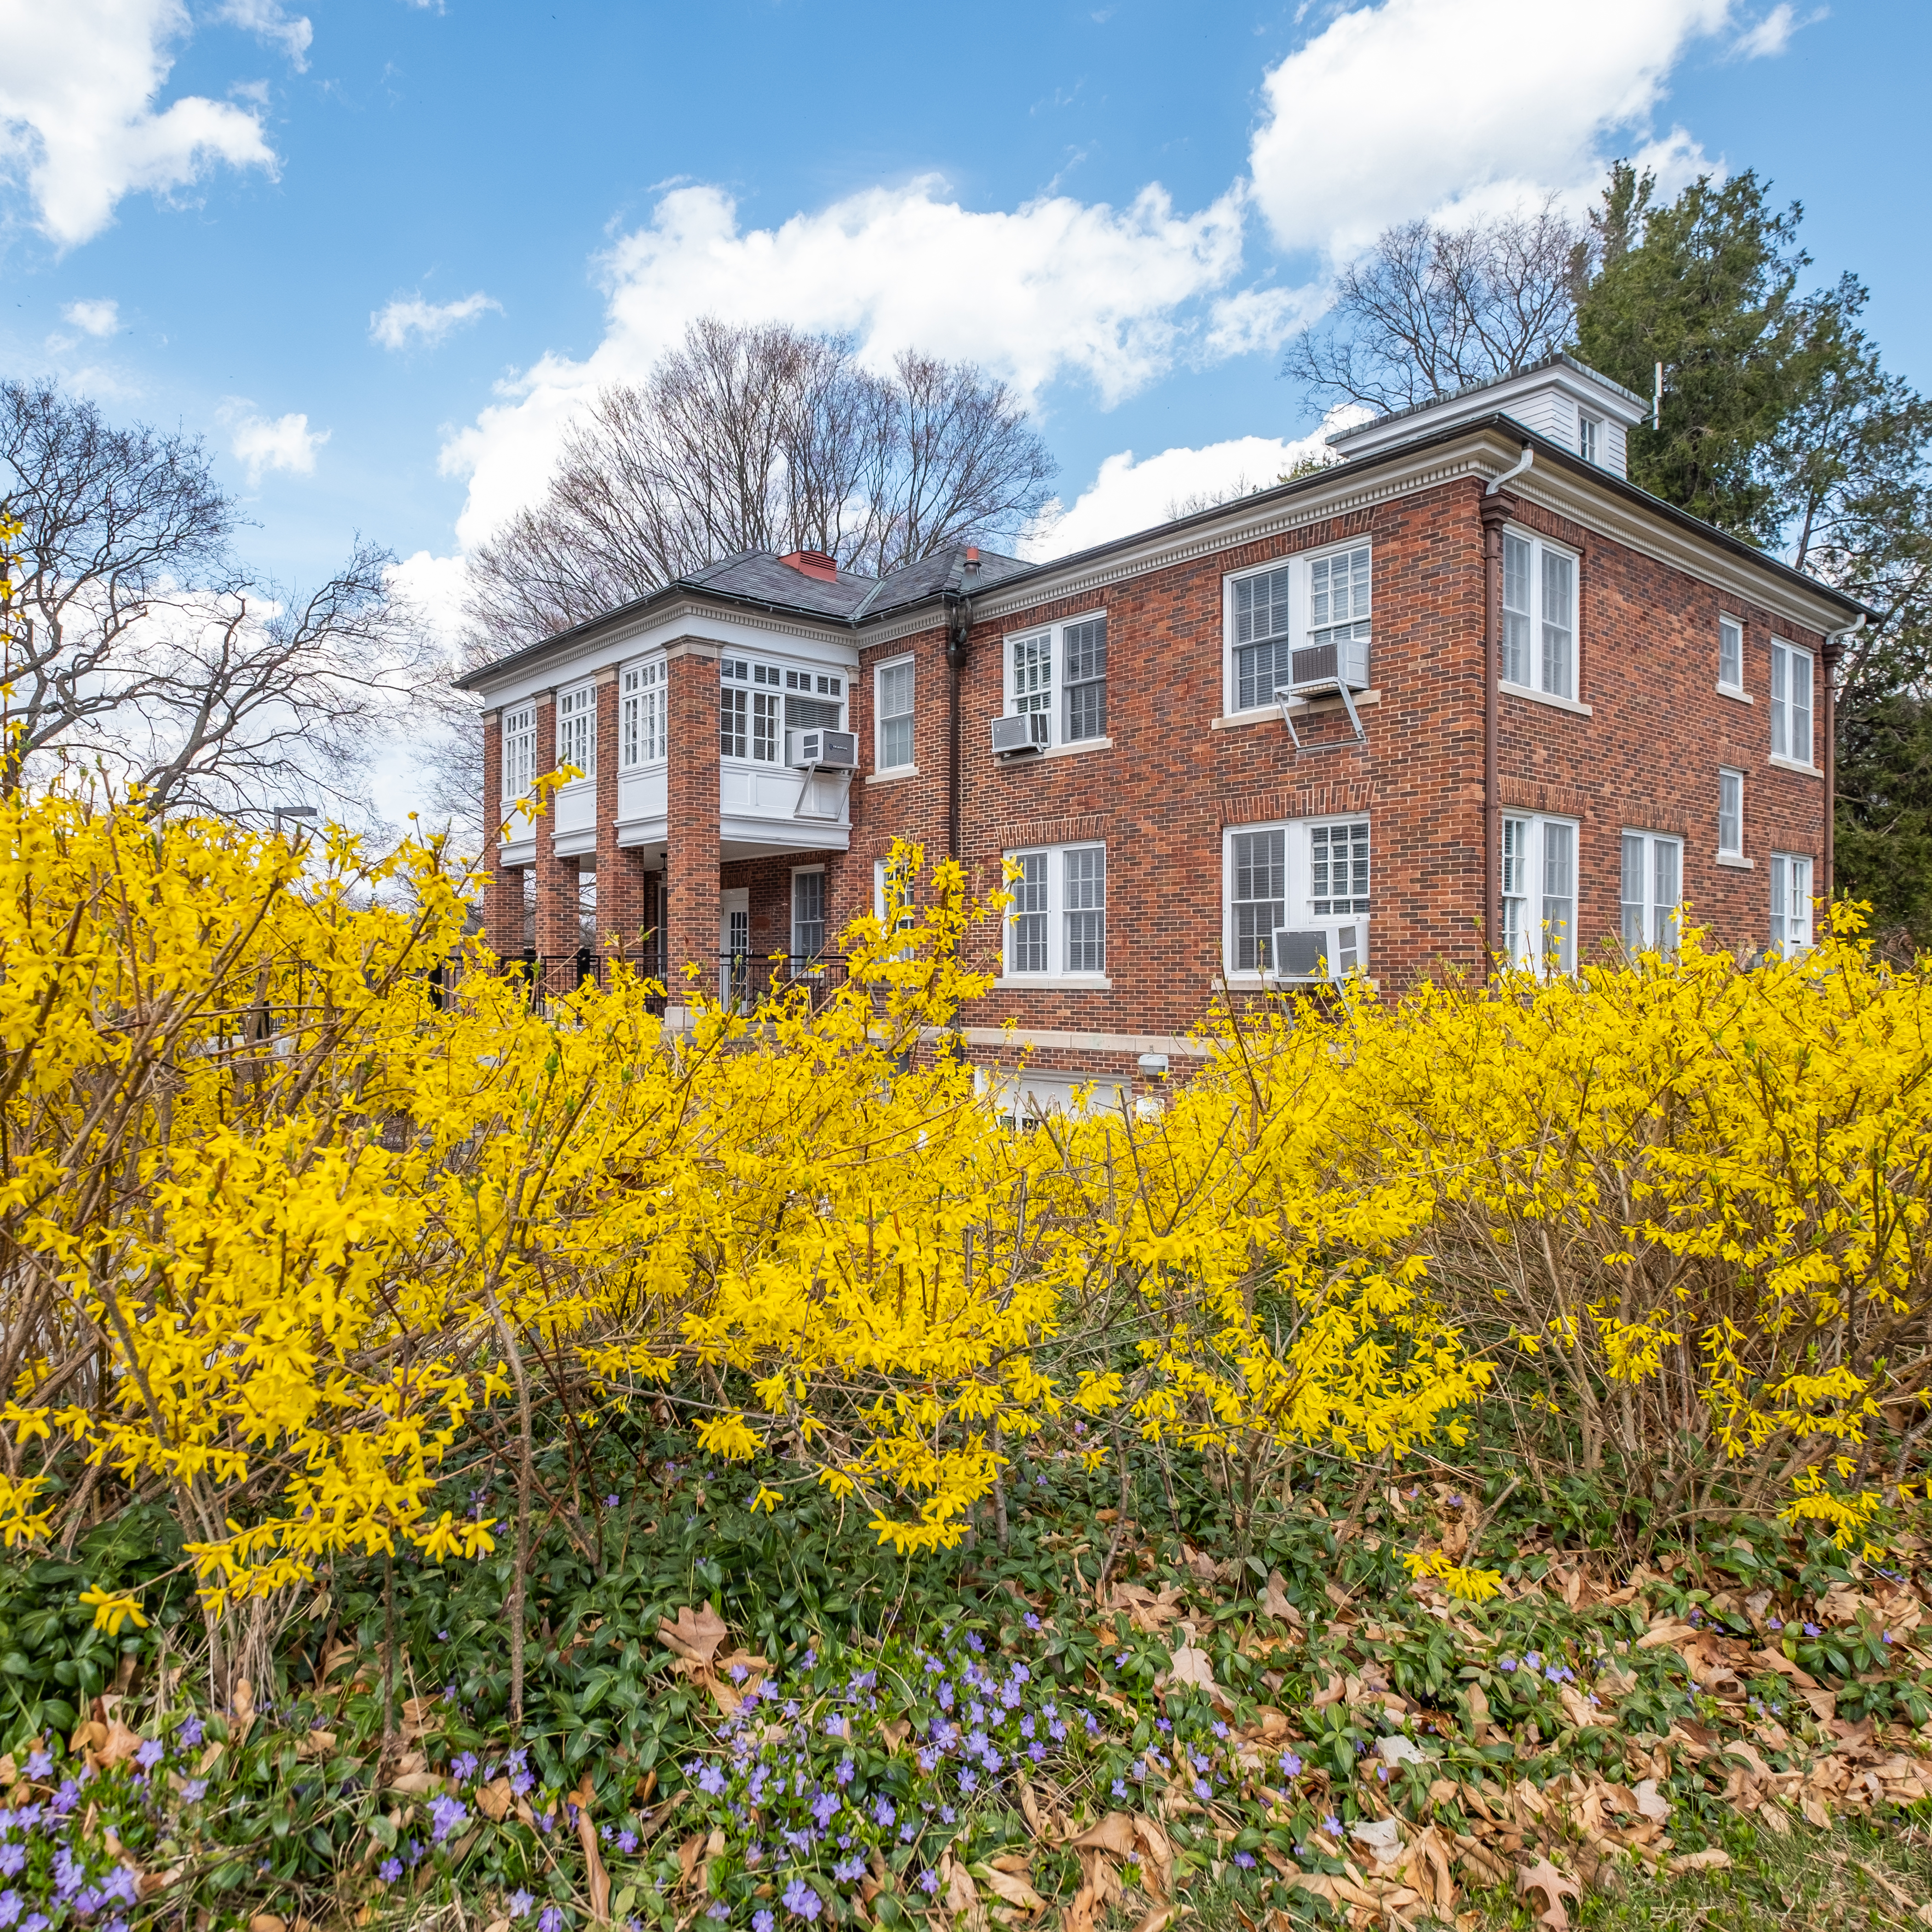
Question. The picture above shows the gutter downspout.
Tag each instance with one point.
(1834, 648)
(1496, 509)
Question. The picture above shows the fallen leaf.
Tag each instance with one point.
(1399, 1749)
(1274, 1599)
(598, 1878)
(696, 1635)
(1115, 1833)
(1712, 1858)
(1013, 1889)
(267, 1921)
(120, 1744)
(1652, 1802)
(1383, 1836)
(493, 1800)
(416, 1783)
(1544, 1876)
(1158, 1919)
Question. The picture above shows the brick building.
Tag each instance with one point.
(1467, 681)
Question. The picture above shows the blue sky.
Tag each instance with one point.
(1123, 208)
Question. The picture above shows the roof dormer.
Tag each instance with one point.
(1559, 399)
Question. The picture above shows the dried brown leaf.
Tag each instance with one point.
(696, 1635)
(1544, 1876)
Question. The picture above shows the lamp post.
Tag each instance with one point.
(282, 811)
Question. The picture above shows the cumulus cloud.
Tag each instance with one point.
(261, 443)
(433, 586)
(1056, 288)
(79, 128)
(409, 315)
(266, 19)
(1127, 495)
(1413, 106)
(94, 318)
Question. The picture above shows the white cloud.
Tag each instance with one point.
(1054, 288)
(94, 318)
(1127, 495)
(266, 19)
(1772, 35)
(262, 444)
(434, 586)
(1407, 108)
(410, 315)
(77, 119)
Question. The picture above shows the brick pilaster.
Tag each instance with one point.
(691, 864)
(620, 869)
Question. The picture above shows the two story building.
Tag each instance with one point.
(1466, 691)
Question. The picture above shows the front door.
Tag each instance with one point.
(734, 944)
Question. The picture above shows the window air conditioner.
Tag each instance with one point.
(1342, 661)
(1027, 731)
(1320, 952)
(824, 751)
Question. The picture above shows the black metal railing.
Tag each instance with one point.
(745, 979)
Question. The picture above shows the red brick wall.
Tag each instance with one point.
(556, 882)
(503, 896)
(620, 868)
(691, 864)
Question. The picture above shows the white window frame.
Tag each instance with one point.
(1301, 573)
(1533, 661)
(1067, 892)
(1650, 893)
(1730, 812)
(1790, 931)
(1302, 853)
(755, 692)
(1590, 437)
(1792, 665)
(643, 707)
(1050, 694)
(801, 951)
(518, 771)
(577, 730)
(1731, 628)
(1525, 864)
(890, 670)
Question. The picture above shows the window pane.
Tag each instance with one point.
(1033, 674)
(765, 725)
(1666, 867)
(1516, 888)
(895, 690)
(1260, 670)
(1799, 675)
(1730, 812)
(1781, 719)
(1730, 651)
(1559, 581)
(1084, 646)
(1261, 606)
(1028, 916)
(895, 741)
(1634, 935)
(1338, 868)
(808, 914)
(1559, 894)
(734, 709)
(1260, 895)
(1516, 609)
(1086, 909)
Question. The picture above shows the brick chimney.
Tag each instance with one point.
(812, 563)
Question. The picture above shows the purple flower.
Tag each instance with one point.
(1505, 1663)
(1332, 1825)
(1120, 1788)
(1032, 1620)
(447, 1815)
(463, 1766)
(518, 1903)
(1245, 1860)
(929, 1881)
(711, 1781)
(883, 1813)
(550, 1919)
(40, 1762)
(825, 1808)
(762, 1922)
(389, 1870)
(967, 1782)
(1037, 1752)
(191, 1732)
(194, 1790)
(10, 1906)
(800, 1898)
(1812, 1629)
(152, 1752)
(846, 1870)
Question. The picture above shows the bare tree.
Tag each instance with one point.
(138, 644)
(759, 438)
(1431, 310)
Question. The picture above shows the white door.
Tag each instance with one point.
(734, 942)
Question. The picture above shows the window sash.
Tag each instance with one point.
(1731, 813)
(1033, 674)
(1790, 928)
(1338, 868)
(894, 686)
(733, 719)
(1589, 439)
(1516, 887)
(519, 753)
(1730, 653)
(1515, 609)
(807, 914)
(1260, 671)
(577, 729)
(1791, 704)
(1539, 642)
(1261, 606)
(1084, 658)
(1557, 935)
(1559, 624)
(765, 726)
(640, 733)
(1652, 891)
(1026, 921)
(1338, 592)
(1260, 895)
(1538, 867)
(1085, 872)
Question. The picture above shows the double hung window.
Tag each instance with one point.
(758, 704)
(1539, 616)
(1056, 925)
(1730, 813)
(1263, 627)
(520, 752)
(577, 729)
(1590, 438)
(1790, 704)
(1305, 622)
(1059, 676)
(1730, 655)
(1294, 893)
(808, 913)
(1790, 904)
(892, 692)
(1652, 891)
(1338, 604)
(1539, 892)
(642, 700)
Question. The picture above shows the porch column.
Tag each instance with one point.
(620, 870)
(556, 878)
(503, 896)
(690, 905)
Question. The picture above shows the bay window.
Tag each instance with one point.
(642, 699)
(520, 754)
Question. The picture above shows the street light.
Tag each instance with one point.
(283, 811)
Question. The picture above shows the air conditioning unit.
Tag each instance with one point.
(1341, 662)
(1028, 731)
(1320, 952)
(824, 751)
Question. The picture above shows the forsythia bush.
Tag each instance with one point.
(296, 1192)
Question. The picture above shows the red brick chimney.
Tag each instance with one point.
(812, 563)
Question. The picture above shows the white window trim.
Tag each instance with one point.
(1056, 685)
(1732, 853)
(1651, 840)
(775, 687)
(1792, 765)
(907, 660)
(657, 692)
(1057, 973)
(1737, 690)
(507, 799)
(1782, 761)
(1550, 698)
(1534, 918)
(1297, 909)
(1298, 564)
(587, 689)
(1540, 546)
(1780, 876)
(791, 909)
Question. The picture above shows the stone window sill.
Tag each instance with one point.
(1548, 697)
(1792, 765)
(1077, 982)
(1737, 861)
(1737, 691)
(1270, 714)
(893, 776)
